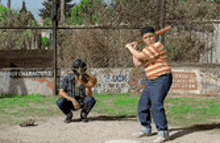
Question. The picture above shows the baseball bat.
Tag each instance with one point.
(158, 33)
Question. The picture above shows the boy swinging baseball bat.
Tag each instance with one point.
(154, 59)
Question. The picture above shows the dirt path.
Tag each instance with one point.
(101, 129)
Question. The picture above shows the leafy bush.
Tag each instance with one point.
(45, 42)
(48, 22)
(84, 13)
(3, 13)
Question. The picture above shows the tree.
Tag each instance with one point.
(63, 11)
(16, 39)
(85, 12)
(9, 4)
(48, 9)
(24, 10)
(3, 13)
(182, 43)
(45, 42)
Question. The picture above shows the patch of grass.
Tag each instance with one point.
(180, 111)
(17, 109)
(116, 104)
(188, 111)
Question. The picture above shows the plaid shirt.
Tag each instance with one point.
(69, 86)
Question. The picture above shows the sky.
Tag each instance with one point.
(31, 5)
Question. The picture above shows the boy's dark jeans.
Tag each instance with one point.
(153, 98)
(66, 106)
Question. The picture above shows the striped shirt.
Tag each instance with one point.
(157, 61)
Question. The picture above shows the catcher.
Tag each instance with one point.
(154, 59)
(76, 92)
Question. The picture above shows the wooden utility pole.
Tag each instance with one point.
(9, 4)
(63, 11)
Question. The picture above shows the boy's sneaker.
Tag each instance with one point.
(162, 136)
(144, 132)
(147, 131)
(68, 117)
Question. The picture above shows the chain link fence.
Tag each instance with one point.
(26, 43)
(106, 47)
(23, 43)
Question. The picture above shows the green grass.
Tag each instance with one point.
(17, 109)
(189, 111)
(116, 104)
(180, 111)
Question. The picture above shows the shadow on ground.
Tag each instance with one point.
(110, 118)
(195, 128)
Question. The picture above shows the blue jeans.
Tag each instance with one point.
(66, 106)
(153, 98)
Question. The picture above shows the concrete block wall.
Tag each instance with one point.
(11, 84)
(186, 80)
(210, 81)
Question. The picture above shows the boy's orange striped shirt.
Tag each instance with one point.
(157, 63)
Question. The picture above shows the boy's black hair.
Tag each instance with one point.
(146, 30)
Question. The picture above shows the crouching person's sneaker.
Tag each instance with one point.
(83, 117)
(162, 136)
(68, 117)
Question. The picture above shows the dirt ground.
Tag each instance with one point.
(101, 129)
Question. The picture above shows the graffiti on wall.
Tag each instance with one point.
(28, 73)
(26, 82)
(114, 83)
(119, 82)
(185, 81)
(137, 80)
(134, 82)
(115, 78)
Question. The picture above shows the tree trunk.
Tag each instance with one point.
(157, 24)
(163, 19)
(63, 11)
(9, 4)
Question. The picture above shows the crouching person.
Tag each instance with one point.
(76, 92)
